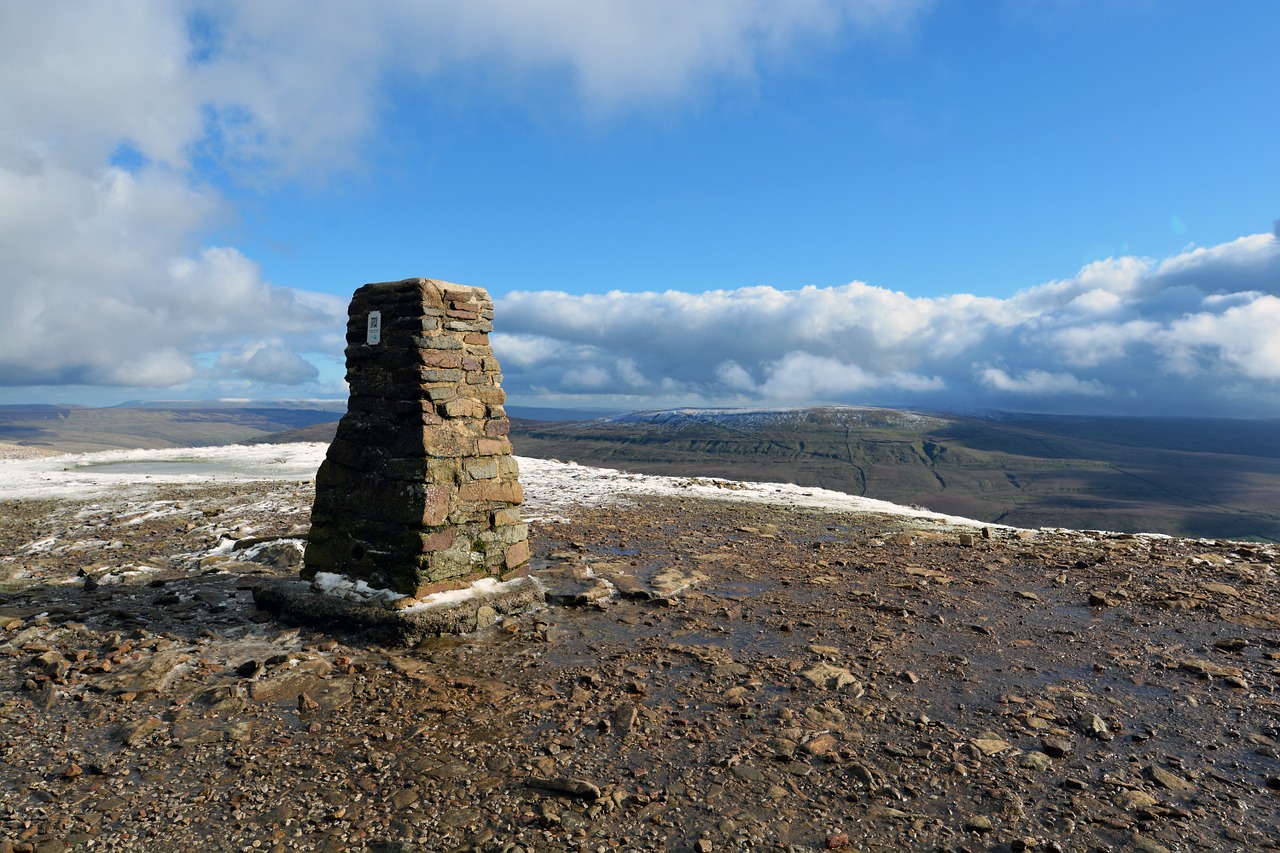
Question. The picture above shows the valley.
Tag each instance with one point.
(1184, 477)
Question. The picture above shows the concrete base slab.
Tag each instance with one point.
(299, 602)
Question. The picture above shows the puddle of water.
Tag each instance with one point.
(429, 645)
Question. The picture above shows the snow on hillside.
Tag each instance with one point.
(551, 487)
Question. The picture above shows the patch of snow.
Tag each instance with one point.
(150, 515)
(551, 487)
(128, 572)
(223, 548)
(555, 486)
(332, 583)
(486, 586)
(39, 545)
(248, 554)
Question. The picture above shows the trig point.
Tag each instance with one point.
(419, 490)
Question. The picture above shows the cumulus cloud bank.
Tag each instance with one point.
(114, 119)
(1124, 335)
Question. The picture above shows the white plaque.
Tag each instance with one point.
(375, 327)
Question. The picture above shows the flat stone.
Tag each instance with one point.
(890, 813)
(979, 823)
(564, 785)
(1142, 844)
(297, 602)
(1209, 669)
(574, 586)
(671, 581)
(990, 746)
(1135, 799)
(1056, 747)
(1094, 726)
(624, 717)
(136, 733)
(820, 745)
(825, 676)
(404, 798)
(150, 675)
(1170, 781)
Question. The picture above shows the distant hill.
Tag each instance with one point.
(1194, 477)
(325, 431)
(158, 424)
(79, 429)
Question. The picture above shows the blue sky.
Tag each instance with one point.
(1047, 206)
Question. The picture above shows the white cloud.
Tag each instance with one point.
(268, 363)
(82, 77)
(1040, 383)
(113, 297)
(156, 368)
(1243, 339)
(1124, 335)
(629, 372)
(1092, 345)
(629, 50)
(526, 351)
(1097, 301)
(1247, 263)
(588, 377)
(734, 377)
(800, 377)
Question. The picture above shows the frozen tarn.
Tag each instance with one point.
(550, 486)
(83, 475)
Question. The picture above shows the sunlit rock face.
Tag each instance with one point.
(419, 491)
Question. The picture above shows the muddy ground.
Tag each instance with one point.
(710, 677)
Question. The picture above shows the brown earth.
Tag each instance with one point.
(709, 676)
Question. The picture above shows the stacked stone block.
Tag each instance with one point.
(419, 492)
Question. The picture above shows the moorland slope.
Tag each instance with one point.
(1179, 476)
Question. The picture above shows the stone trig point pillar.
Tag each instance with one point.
(419, 490)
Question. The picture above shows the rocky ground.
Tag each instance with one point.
(708, 676)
